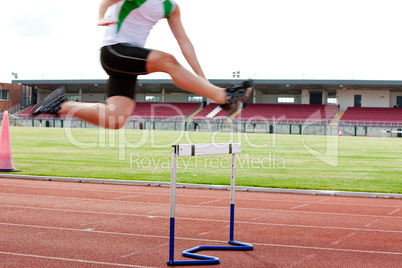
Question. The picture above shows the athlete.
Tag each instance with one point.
(124, 57)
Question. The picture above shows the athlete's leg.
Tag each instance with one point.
(159, 61)
(114, 114)
(120, 91)
(123, 62)
(120, 103)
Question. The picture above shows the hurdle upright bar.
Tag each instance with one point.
(188, 150)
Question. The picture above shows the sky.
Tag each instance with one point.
(263, 39)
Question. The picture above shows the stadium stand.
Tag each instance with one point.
(288, 113)
(355, 121)
(259, 112)
(221, 114)
(209, 108)
(25, 114)
(163, 111)
(372, 116)
(143, 111)
(202, 115)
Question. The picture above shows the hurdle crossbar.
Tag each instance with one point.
(188, 150)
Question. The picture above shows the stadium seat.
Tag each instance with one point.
(372, 116)
(288, 113)
(142, 111)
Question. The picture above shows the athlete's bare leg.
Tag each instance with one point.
(117, 110)
(159, 61)
(114, 114)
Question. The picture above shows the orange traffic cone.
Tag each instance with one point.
(340, 132)
(197, 128)
(6, 161)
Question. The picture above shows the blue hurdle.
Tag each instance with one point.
(188, 150)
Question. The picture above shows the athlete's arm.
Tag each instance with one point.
(184, 42)
(104, 5)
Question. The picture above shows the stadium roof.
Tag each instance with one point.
(266, 86)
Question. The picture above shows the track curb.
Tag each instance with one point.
(205, 186)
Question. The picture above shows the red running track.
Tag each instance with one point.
(65, 224)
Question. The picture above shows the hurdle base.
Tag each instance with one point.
(208, 260)
(194, 150)
(240, 245)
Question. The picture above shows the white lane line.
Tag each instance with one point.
(304, 205)
(100, 221)
(191, 195)
(326, 199)
(13, 212)
(71, 260)
(146, 250)
(329, 249)
(80, 230)
(237, 208)
(393, 212)
(371, 223)
(211, 201)
(209, 240)
(126, 196)
(343, 238)
(237, 222)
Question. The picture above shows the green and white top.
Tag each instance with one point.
(136, 19)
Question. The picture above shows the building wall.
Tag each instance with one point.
(305, 96)
(5, 105)
(168, 97)
(175, 97)
(274, 98)
(41, 94)
(14, 96)
(257, 97)
(93, 97)
(394, 96)
(370, 98)
(140, 97)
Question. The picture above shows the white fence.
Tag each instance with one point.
(306, 128)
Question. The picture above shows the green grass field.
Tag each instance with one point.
(278, 161)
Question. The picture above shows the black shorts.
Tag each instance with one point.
(123, 63)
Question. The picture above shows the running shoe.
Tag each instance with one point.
(51, 104)
(236, 95)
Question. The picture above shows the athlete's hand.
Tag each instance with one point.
(106, 22)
